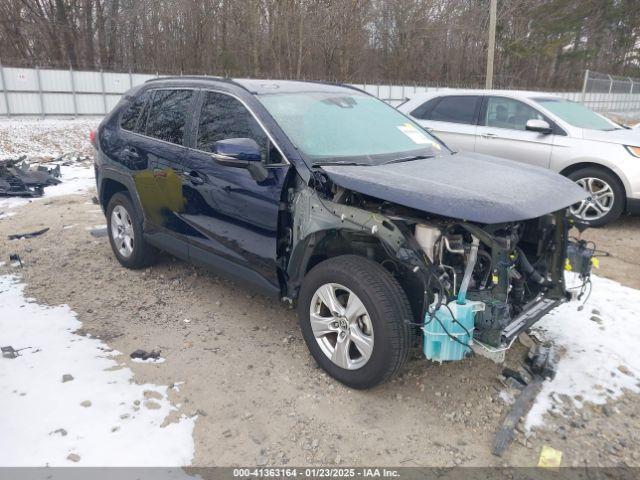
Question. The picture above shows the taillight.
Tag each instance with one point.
(92, 137)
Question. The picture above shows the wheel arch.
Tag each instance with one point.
(580, 165)
(109, 187)
(323, 245)
(110, 184)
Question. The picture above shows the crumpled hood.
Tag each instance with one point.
(466, 186)
(623, 136)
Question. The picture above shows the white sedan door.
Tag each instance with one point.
(452, 119)
(502, 133)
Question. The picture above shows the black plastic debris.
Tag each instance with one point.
(144, 355)
(17, 178)
(506, 433)
(543, 361)
(539, 365)
(99, 232)
(95, 200)
(17, 236)
(15, 260)
(10, 352)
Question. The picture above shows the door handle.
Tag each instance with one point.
(488, 135)
(194, 177)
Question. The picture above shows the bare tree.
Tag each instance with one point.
(540, 43)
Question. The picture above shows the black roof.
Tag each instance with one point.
(260, 86)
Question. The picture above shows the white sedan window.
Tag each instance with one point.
(505, 112)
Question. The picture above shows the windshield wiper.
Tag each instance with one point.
(357, 164)
(407, 159)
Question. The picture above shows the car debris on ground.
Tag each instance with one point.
(18, 236)
(10, 352)
(98, 232)
(23, 177)
(18, 178)
(550, 458)
(144, 355)
(15, 260)
(539, 365)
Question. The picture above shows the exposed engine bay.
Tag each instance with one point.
(473, 286)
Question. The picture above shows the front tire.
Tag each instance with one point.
(125, 233)
(355, 319)
(607, 198)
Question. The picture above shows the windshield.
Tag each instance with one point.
(575, 114)
(348, 127)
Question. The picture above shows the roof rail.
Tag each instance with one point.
(186, 77)
(198, 77)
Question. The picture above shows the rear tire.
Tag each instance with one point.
(378, 339)
(607, 192)
(124, 228)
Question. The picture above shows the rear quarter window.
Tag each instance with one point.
(131, 118)
(456, 109)
(422, 112)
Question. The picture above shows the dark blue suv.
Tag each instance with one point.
(325, 196)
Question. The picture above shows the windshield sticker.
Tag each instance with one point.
(414, 134)
(417, 136)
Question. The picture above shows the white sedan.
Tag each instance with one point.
(543, 130)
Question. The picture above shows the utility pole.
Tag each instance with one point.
(492, 43)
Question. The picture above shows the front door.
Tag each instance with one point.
(235, 217)
(502, 132)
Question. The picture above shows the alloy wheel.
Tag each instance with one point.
(598, 204)
(341, 325)
(122, 231)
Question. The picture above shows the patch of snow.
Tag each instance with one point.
(601, 348)
(148, 360)
(48, 138)
(75, 179)
(43, 418)
(506, 397)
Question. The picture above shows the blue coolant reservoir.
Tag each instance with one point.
(440, 347)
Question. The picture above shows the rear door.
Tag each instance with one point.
(160, 187)
(234, 216)
(451, 118)
(502, 132)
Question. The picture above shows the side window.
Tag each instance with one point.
(223, 117)
(456, 109)
(131, 117)
(509, 113)
(423, 111)
(168, 115)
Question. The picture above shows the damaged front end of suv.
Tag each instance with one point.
(481, 255)
(389, 238)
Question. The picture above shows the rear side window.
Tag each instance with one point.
(423, 111)
(168, 115)
(456, 109)
(223, 117)
(131, 118)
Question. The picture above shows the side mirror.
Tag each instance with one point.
(539, 126)
(241, 153)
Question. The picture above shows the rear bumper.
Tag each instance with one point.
(633, 206)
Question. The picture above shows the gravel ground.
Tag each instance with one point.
(259, 396)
